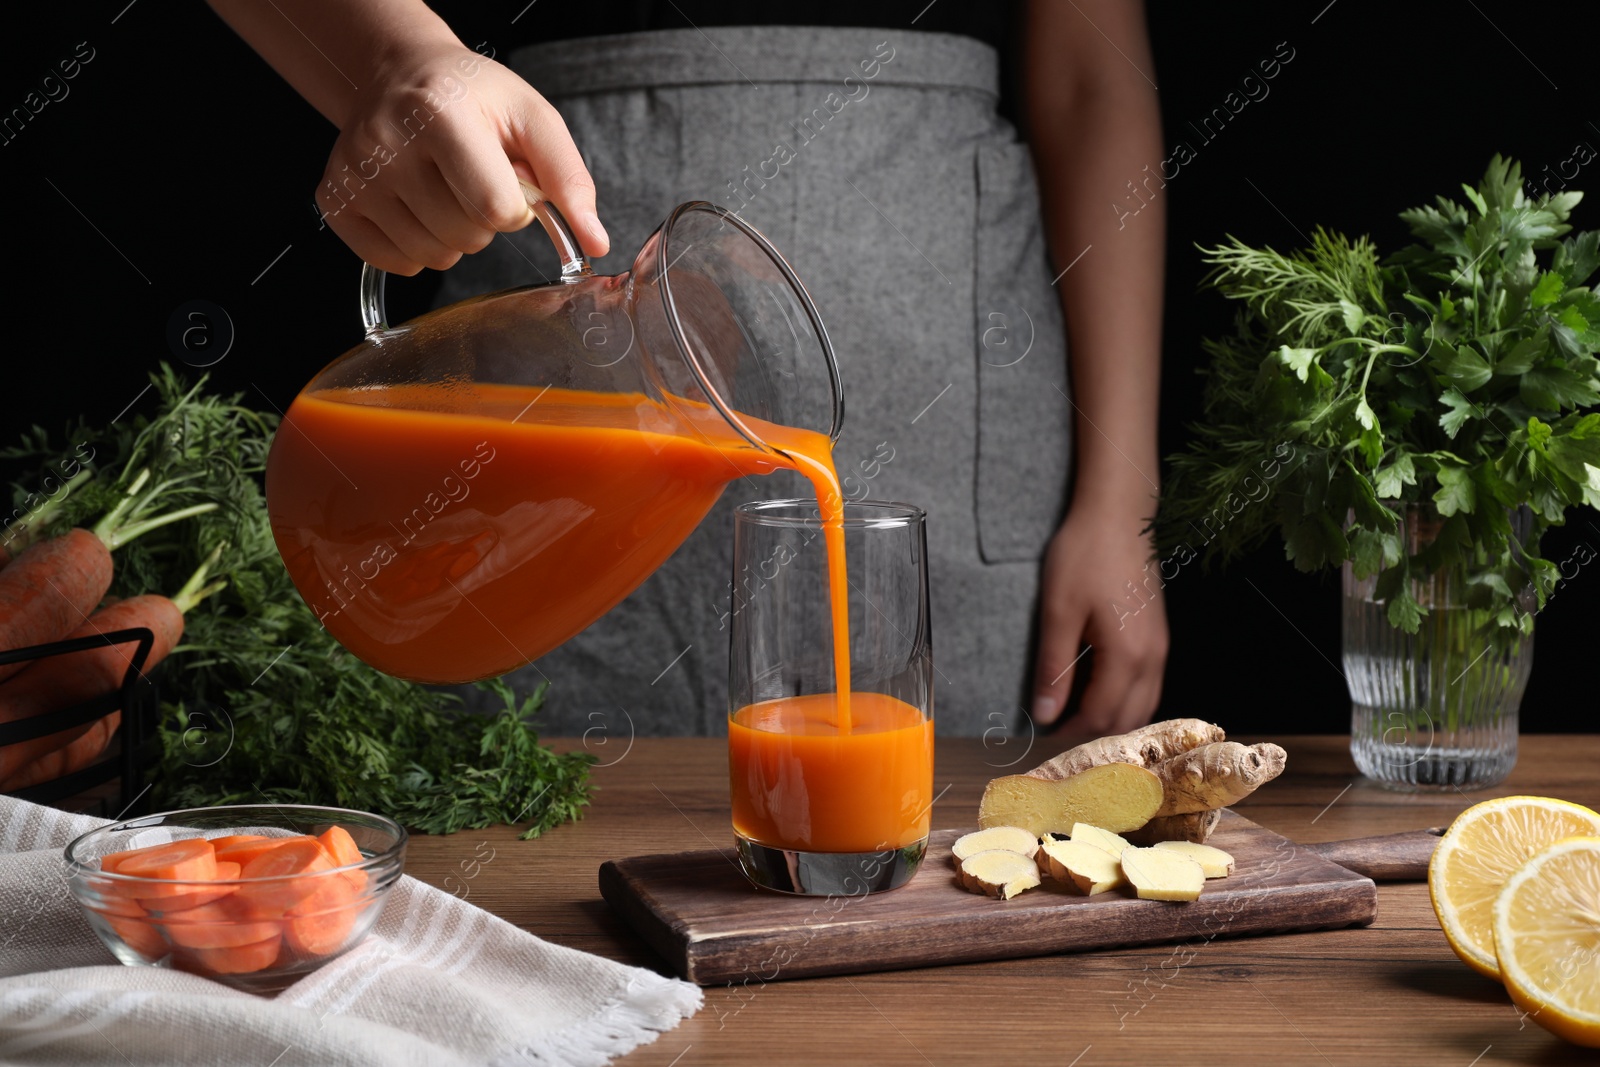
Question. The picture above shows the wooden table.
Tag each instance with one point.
(1391, 993)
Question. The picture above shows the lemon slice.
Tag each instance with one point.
(1480, 851)
(1547, 934)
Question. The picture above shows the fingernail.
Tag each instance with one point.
(597, 231)
(1045, 709)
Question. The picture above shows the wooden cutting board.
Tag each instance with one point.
(713, 927)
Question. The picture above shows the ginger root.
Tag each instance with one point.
(1199, 771)
(998, 873)
(1114, 796)
(1213, 861)
(1087, 868)
(1195, 827)
(1010, 838)
(1216, 775)
(1159, 874)
(1144, 747)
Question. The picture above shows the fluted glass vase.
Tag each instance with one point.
(1437, 709)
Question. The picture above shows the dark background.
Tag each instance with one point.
(180, 168)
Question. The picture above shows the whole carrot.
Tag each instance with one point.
(50, 589)
(52, 586)
(21, 531)
(75, 756)
(61, 681)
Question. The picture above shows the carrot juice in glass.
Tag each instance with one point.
(830, 732)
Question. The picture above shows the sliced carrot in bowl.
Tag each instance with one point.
(242, 850)
(220, 924)
(236, 904)
(196, 895)
(130, 923)
(220, 843)
(298, 856)
(342, 848)
(239, 959)
(343, 851)
(191, 859)
(111, 861)
(141, 935)
(110, 899)
(322, 922)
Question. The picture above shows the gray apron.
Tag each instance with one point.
(875, 161)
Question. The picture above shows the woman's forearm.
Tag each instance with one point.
(329, 50)
(1094, 126)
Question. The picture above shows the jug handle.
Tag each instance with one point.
(574, 264)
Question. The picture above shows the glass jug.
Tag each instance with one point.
(458, 495)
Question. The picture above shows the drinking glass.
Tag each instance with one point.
(830, 798)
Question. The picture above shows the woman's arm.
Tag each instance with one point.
(429, 130)
(1094, 127)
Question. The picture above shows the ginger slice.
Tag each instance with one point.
(1212, 860)
(998, 872)
(1115, 797)
(1009, 838)
(1160, 874)
(1088, 868)
(1093, 835)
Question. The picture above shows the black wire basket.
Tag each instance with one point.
(131, 752)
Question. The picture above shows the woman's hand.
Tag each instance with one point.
(422, 171)
(1097, 593)
(429, 131)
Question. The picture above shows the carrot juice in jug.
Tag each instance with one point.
(450, 533)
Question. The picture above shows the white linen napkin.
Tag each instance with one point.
(438, 982)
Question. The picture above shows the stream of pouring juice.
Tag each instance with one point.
(447, 533)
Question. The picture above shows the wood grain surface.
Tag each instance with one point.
(713, 927)
(1388, 993)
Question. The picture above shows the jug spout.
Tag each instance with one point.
(729, 325)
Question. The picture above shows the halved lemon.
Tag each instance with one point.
(1480, 852)
(1547, 935)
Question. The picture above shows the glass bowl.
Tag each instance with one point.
(260, 930)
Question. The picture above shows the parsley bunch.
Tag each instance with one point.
(260, 703)
(1454, 374)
